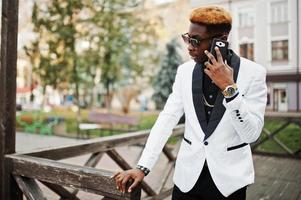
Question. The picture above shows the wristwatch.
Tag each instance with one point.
(143, 169)
(230, 91)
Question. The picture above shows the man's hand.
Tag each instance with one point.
(219, 72)
(121, 178)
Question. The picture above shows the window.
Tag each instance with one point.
(282, 96)
(279, 12)
(280, 50)
(246, 18)
(268, 99)
(246, 50)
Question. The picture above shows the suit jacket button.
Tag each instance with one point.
(205, 143)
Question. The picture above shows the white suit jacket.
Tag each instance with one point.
(229, 159)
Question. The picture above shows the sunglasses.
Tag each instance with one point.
(193, 41)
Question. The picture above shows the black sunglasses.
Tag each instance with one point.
(193, 41)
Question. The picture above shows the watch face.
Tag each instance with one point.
(230, 90)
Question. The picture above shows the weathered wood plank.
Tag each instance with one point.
(170, 166)
(107, 198)
(160, 196)
(168, 153)
(97, 145)
(281, 115)
(30, 188)
(8, 70)
(270, 134)
(124, 165)
(61, 191)
(94, 159)
(91, 162)
(141, 146)
(85, 178)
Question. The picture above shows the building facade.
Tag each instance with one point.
(268, 32)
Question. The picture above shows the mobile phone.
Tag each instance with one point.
(223, 48)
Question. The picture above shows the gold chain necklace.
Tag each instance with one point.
(206, 102)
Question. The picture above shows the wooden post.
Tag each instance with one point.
(8, 187)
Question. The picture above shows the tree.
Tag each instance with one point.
(75, 39)
(166, 75)
(53, 54)
(123, 39)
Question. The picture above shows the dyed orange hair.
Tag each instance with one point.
(210, 15)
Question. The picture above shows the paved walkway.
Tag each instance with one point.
(28, 141)
(276, 178)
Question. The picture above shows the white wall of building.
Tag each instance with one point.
(261, 33)
(273, 20)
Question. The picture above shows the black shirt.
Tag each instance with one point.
(210, 91)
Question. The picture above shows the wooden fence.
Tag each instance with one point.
(55, 175)
(44, 166)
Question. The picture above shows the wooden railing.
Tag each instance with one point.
(44, 166)
(285, 119)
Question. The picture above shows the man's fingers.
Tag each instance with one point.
(123, 183)
(208, 65)
(114, 175)
(119, 180)
(210, 56)
(134, 184)
(218, 55)
(228, 65)
(208, 73)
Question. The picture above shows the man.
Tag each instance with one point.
(224, 104)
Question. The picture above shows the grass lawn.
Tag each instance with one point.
(291, 135)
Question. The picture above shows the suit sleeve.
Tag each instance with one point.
(162, 129)
(247, 111)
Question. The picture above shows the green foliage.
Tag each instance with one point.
(166, 76)
(75, 39)
(290, 136)
(53, 52)
(123, 39)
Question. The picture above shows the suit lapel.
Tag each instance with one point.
(197, 93)
(219, 109)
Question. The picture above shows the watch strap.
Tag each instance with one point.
(231, 98)
(143, 169)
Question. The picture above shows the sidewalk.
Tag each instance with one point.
(31, 141)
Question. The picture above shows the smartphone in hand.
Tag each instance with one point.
(223, 47)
